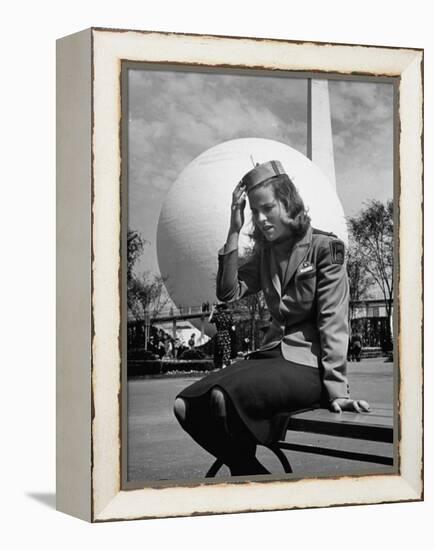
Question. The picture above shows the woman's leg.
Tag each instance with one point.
(202, 427)
(239, 449)
(180, 410)
(222, 434)
(219, 409)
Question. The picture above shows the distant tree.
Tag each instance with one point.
(358, 277)
(372, 234)
(146, 294)
(135, 244)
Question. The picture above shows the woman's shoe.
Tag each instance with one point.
(250, 466)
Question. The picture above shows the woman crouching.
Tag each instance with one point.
(302, 361)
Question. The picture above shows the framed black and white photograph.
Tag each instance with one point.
(248, 238)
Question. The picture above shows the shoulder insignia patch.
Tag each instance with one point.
(337, 252)
(316, 231)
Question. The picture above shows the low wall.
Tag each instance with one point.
(140, 367)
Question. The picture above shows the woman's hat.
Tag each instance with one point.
(261, 173)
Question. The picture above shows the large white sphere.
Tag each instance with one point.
(194, 219)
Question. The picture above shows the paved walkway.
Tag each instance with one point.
(159, 449)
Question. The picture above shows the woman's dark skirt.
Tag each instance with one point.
(261, 391)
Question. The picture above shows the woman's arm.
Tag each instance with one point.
(233, 282)
(332, 319)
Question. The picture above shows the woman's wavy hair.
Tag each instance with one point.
(286, 192)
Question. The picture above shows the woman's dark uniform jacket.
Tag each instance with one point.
(309, 308)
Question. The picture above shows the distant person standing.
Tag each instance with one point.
(356, 347)
(161, 349)
(191, 342)
(182, 347)
(246, 344)
(222, 319)
(168, 348)
(176, 347)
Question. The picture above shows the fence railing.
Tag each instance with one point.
(180, 311)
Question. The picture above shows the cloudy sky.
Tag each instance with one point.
(174, 116)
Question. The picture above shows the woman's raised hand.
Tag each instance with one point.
(237, 207)
(341, 404)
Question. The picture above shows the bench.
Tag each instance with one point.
(375, 426)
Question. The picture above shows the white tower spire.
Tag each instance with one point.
(319, 128)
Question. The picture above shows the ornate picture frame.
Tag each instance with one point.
(90, 359)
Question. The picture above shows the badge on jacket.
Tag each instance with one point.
(305, 267)
(337, 251)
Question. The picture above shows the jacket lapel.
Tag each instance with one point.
(274, 271)
(270, 271)
(297, 256)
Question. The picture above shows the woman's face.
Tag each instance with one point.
(269, 213)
